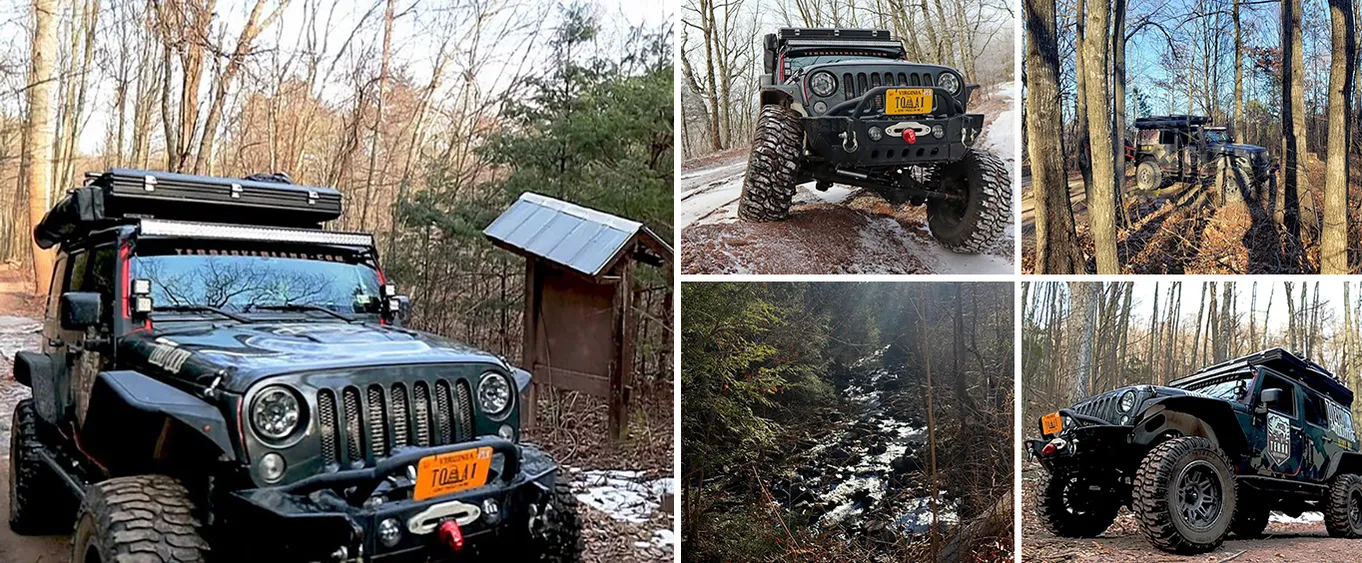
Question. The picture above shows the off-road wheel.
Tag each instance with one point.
(1069, 508)
(772, 166)
(148, 518)
(1250, 519)
(1148, 176)
(38, 501)
(1185, 495)
(1343, 511)
(559, 538)
(970, 224)
(1240, 183)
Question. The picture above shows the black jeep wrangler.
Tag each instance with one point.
(845, 106)
(1213, 453)
(1184, 148)
(220, 374)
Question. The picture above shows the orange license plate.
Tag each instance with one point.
(908, 101)
(452, 472)
(1051, 424)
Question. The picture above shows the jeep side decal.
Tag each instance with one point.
(169, 358)
(1340, 420)
(1278, 438)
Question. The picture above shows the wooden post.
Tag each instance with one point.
(624, 353)
(529, 348)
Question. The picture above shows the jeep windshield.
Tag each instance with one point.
(1232, 387)
(1217, 137)
(798, 61)
(273, 280)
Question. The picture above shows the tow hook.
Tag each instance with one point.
(450, 535)
(849, 141)
(1055, 445)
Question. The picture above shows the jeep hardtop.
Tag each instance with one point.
(1211, 453)
(220, 377)
(847, 106)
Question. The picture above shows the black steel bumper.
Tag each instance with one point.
(326, 517)
(1097, 446)
(842, 134)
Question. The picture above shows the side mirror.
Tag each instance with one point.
(80, 309)
(399, 310)
(1269, 397)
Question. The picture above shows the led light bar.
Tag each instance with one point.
(159, 227)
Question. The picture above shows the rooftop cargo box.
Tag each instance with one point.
(123, 194)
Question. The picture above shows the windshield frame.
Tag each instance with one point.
(1247, 375)
(350, 256)
(788, 69)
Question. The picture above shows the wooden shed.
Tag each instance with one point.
(578, 320)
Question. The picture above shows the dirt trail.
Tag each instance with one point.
(841, 231)
(1301, 539)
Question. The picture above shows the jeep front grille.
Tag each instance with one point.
(378, 420)
(1106, 407)
(856, 85)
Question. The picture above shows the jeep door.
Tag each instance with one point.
(1276, 444)
(55, 338)
(1315, 436)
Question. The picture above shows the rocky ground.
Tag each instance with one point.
(1289, 540)
(840, 231)
(625, 490)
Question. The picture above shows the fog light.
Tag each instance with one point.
(876, 134)
(506, 433)
(490, 511)
(271, 467)
(820, 107)
(389, 532)
(938, 131)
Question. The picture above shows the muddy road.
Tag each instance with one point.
(1289, 539)
(843, 230)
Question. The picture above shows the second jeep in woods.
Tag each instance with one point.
(1210, 454)
(219, 374)
(846, 106)
(1184, 148)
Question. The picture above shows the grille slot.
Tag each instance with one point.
(377, 423)
(421, 412)
(398, 416)
(354, 449)
(444, 413)
(465, 407)
(326, 424)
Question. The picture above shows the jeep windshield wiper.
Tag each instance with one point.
(201, 309)
(299, 307)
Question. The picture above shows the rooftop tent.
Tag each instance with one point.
(1304, 370)
(122, 194)
(1171, 121)
(583, 240)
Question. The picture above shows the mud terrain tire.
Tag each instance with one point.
(1173, 473)
(148, 518)
(39, 502)
(970, 227)
(1343, 510)
(1069, 510)
(772, 166)
(560, 538)
(1250, 519)
(1148, 176)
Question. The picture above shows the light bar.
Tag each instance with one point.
(159, 227)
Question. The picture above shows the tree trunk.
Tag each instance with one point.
(1118, 84)
(1057, 249)
(1102, 206)
(1334, 245)
(37, 154)
(1293, 116)
(1238, 124)
(1081, 129)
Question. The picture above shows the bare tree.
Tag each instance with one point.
(1102, 205)
(1334, 246)
(1057, 249)
(37, 153)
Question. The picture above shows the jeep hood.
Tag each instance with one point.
(1242, 150)
(244, 353)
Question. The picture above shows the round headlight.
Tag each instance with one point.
(950, 82)
(276, 412)
(494, 393)
(1127, 401)
(823, 84)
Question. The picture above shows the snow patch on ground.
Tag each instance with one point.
(624, 495)
(1304, 518)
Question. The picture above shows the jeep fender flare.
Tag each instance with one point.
(1190, 416)
(778, 95)
(137, 424)
(38, 372)
(1344, 462)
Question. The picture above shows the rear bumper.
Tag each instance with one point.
(842, 135)
(333, 516)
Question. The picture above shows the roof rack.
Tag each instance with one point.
(1165, 121)
(122, 195)
(1291, 365)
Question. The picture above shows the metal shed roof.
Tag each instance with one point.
(573, 236)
